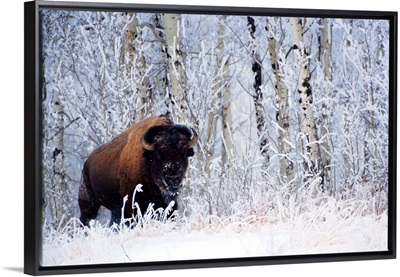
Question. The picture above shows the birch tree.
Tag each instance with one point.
(326, 47)
(226, 118)
(373, 59)
(59, 185)
(325, 57)
(224, 88)
(176, 74)
(55, 150)
(311, 143)
(281, 92)
(133, 59)
(258, 97)
(213, 116)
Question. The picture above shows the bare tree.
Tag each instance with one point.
(59, 185)
(370, 64)
(224, 88)
(258, 96)
(281, 92)
(219, 104)
(326, 47)
(325, 54)
(226, 118)
(176, 74)
(213, 116)
(312, 152)
(132, 58)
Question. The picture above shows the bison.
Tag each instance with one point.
(152, 152)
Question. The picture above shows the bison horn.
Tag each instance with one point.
(193, 139)
(146, 145)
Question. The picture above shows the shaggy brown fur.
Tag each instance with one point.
(114, 169)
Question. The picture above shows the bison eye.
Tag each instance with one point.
(190, 152)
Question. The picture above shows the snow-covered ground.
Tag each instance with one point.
(331, 231)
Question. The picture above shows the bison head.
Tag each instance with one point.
(168, 148)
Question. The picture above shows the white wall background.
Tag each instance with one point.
(11, 145)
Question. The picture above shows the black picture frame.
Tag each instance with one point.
(33, 134)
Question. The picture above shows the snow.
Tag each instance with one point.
(304, 234)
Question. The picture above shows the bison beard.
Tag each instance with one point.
(153, 152)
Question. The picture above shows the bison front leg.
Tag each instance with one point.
(89, 207)
(116, 214)
(88, 204)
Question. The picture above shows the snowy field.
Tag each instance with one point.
(327, 228)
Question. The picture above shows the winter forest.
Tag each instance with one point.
(292, 119)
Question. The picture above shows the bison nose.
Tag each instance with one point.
(173, 180)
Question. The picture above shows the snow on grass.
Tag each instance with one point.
(328, 227)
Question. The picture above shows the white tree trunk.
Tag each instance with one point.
(213, 116)
(226, 121)
(59, 186)
(326, 52)
(370, 150)
(258, 97)
(326, 47)
(136, 66)
(176, 74)
(312, 148)
(223, 86)
(281, 92)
